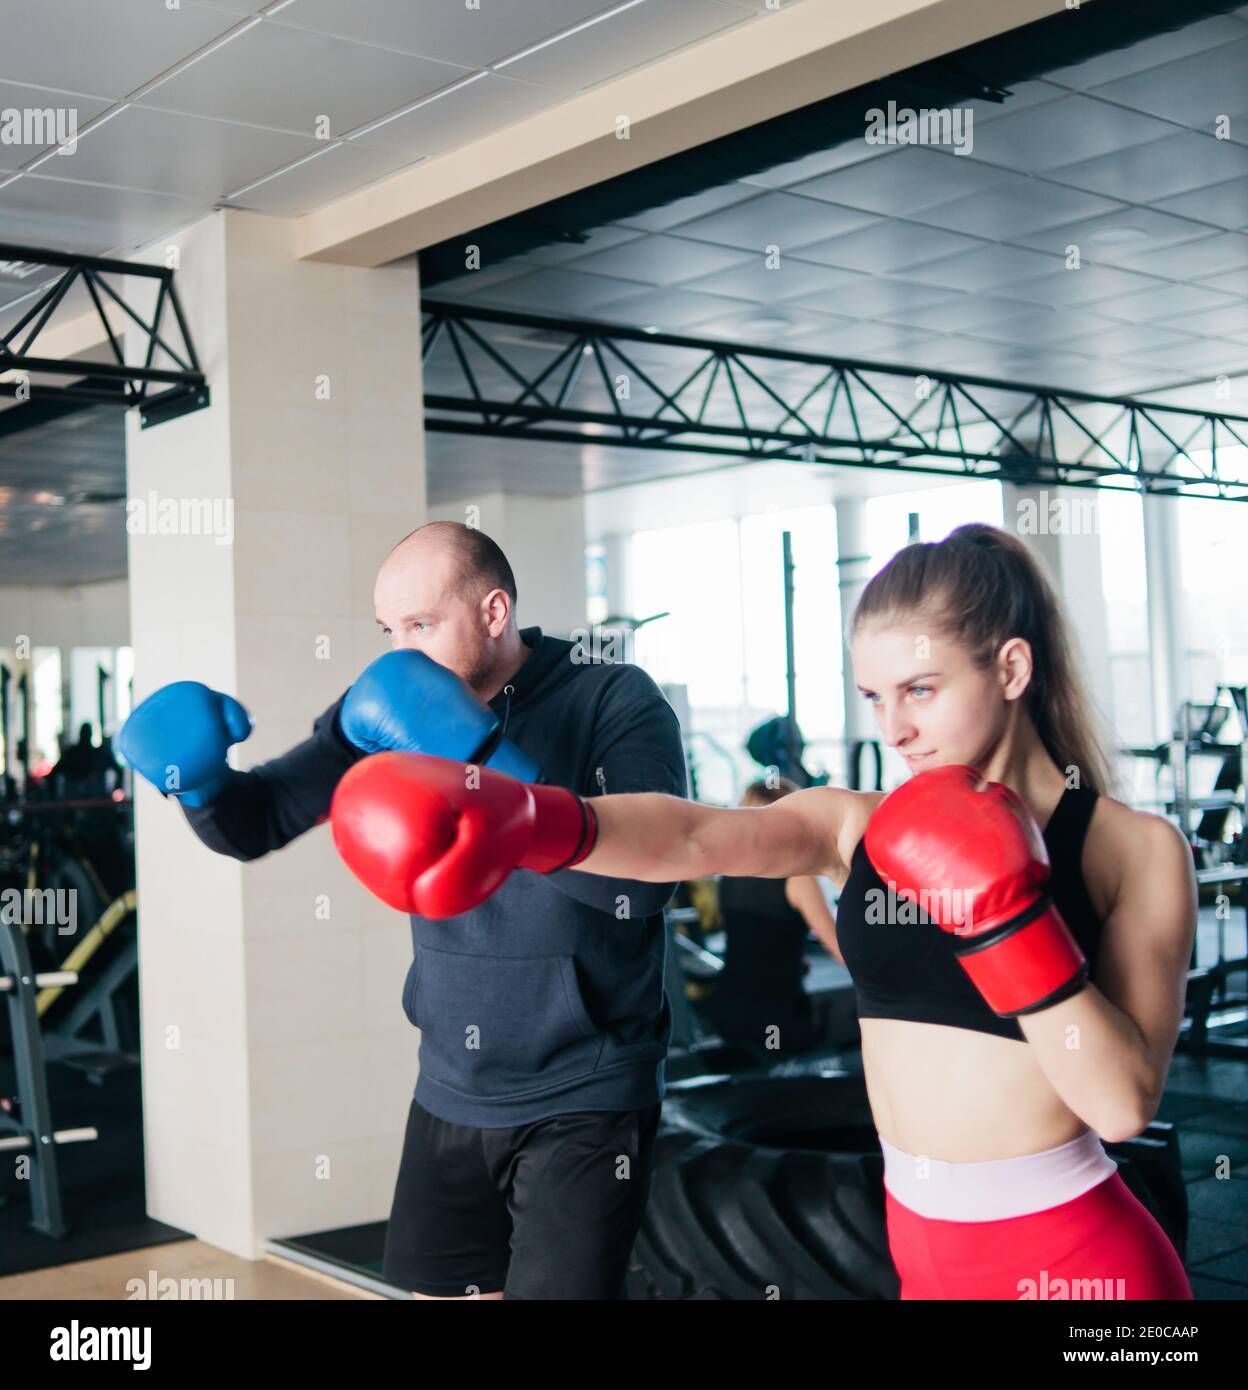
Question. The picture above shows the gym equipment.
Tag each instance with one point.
(1214, 825)
(26, 1120)
(776, 1182)
(1213, 822)
(82, 849)
(765, 1184)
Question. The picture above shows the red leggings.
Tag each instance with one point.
(1103, 1244)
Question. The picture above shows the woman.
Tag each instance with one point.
(989, 1086)
(758, 997)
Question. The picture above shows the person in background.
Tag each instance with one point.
(759, 997)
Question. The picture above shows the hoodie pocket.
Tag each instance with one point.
(501, 1025)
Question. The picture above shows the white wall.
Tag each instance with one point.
(77, 615)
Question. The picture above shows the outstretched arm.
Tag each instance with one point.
(659, 838)
(266, 808)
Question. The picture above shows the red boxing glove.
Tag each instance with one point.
(975, 862)
(436, 838)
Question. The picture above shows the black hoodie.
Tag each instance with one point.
(548, 998)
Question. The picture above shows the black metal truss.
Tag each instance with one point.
(161, 393)
(702, 396)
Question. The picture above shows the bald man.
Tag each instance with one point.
(544, 1026)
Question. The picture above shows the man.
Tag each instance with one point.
(526, 1162)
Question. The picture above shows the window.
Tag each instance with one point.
(1124, 584)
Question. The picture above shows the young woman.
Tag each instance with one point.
(995, 1058)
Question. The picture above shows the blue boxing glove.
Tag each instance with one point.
(405, 702)
(178, 739)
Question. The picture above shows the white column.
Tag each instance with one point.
(278, 1065)
(1166, 635)
(854, 571)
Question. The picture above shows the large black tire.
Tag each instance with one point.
(766, 1187)
(774, 1187)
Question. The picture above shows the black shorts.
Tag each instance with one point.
(545, 1210)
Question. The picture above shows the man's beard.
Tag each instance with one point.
(478, 670)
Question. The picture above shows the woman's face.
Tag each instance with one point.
(931, 703)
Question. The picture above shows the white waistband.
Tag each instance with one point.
(1000, 1188)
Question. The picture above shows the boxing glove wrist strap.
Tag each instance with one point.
(1029, 963)
(565, 830)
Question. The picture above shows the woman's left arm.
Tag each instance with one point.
(1106, 1050)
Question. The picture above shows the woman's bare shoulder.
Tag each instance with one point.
(1123, 843)
(856, 809)
(841, 815)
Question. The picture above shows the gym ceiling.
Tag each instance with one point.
(914, 255)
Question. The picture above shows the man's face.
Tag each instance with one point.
(932, 704)
(419, 605)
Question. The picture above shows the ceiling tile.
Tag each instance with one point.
(1233, 282)
(1149, 53)
(1223, 204)
(904, 181)
(598, 239)
(313, 182)
(1085, 285)
(451, 33)
(965, 312)
(1217, 358)
(669, 310)
(170, 153)
(625, 40)
(1148, 173)
(775, 219)
(660, 260)
(874, 297)
(775, 327)
(794, 171)
(64, 113)
(1230, 322)
(875, 342)
(1210, 256)
(102, 50)
(1021, 205)
(754, 280)
(887, 247)
(1063, 132)
(86, 217)
(556, 291)
(348, 83)
(1115, 236)
(1192, 90)
(1020, 96)
(1041, 327)
(681, 210)
(459, 116)
(985, 268)
(1126, 339)
(473, 281)
(1170, 301)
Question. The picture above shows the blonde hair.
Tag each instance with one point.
(979, 587)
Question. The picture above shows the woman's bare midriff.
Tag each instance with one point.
(958, 1095)
(945, 1092)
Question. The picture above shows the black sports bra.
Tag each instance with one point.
(908, 971)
